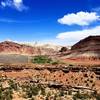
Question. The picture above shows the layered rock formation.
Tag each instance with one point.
(91, 43)
(42, 45)
(8, 47)
(67, 77)
(88, 48)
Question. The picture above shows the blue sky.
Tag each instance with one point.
(44, 21)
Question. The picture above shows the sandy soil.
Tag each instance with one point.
(81, 62)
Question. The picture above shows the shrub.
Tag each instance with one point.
(61, 93)
(55, 62)
(30, 90)
(81, 96)
(70, 92)
(5, 94)
(63, 49)
(1, 94)
(98, 97)
(8, 94)
(43, 91)
(13, 85)
(41, 59)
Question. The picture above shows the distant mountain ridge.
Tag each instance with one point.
(54, 46)
(43, 45)
(9, 47)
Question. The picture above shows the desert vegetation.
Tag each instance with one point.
(10, 90)
(43, 59)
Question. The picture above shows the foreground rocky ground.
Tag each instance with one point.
(49, 82)
(10, 89)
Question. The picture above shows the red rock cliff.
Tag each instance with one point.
(8, 47)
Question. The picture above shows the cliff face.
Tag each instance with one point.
(8, 47)
(88, 48)
(91, 43)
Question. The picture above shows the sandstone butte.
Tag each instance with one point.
(85, 51)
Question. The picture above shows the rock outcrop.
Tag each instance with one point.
(8, 47)
(88, 48)
(91, 43)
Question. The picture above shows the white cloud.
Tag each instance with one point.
(18, 1)
(80, 18)
(17, 4)
(75, 36)
(3, 4)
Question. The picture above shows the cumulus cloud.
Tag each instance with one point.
(17, 4)
(79, 34)
(80, 18)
